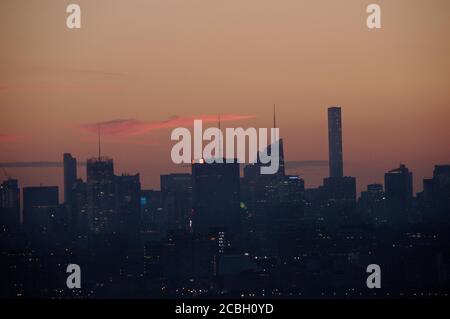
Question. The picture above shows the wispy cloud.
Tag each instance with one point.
(133, 127)
(8, 138)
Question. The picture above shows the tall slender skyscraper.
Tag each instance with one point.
(335, 142)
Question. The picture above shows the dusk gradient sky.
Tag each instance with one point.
(152, 65)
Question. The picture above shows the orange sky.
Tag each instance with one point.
(147, 61)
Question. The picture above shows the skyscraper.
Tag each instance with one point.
(101, 194)
(371, 204)
(216, 195)
(435, 198)
(10, 203)
(399, 193)
(176, 190)
(335, 142)
(40, 205)
(152, 214)
(128, 192)
(337, 187)
(70, 176)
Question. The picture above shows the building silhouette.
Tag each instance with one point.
(10, 203)
(399, 194)
(335, 142)
(216, 196)
(40, 207)
(372, 204)
(337, 188)
(435, 197)
(128, 195)
(101, 195)
(176, 192)
(214, 234)
(152, 213)
(70, 177)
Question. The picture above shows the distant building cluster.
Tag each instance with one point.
(215, 233)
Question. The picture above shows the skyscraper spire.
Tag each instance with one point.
(274, 117)
(220, 140)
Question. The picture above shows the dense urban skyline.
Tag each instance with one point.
(142, 64)
(348, 198)
(213, 233)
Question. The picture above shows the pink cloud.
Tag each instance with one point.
(8, 138)
(132, 127)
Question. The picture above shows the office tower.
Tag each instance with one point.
(286, 208)
(40, 206)
(337, 188)
(372, 204)
(281, 169)
(291, 189)
(335, 142)
(128, 200)
(10, 203)
(101, 195)
(215, 196)
(376, 189)
(128, 197)
(399, 193)
(340, 189)
(79, 215)
(435, 198)
(70, 177)
(441, 181)
(441, 175)
(152, 215)
(176, 192)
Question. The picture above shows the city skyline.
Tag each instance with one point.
(335, 164)
(321, 168)
(223, 234)
(139, 66)
(224, 156)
